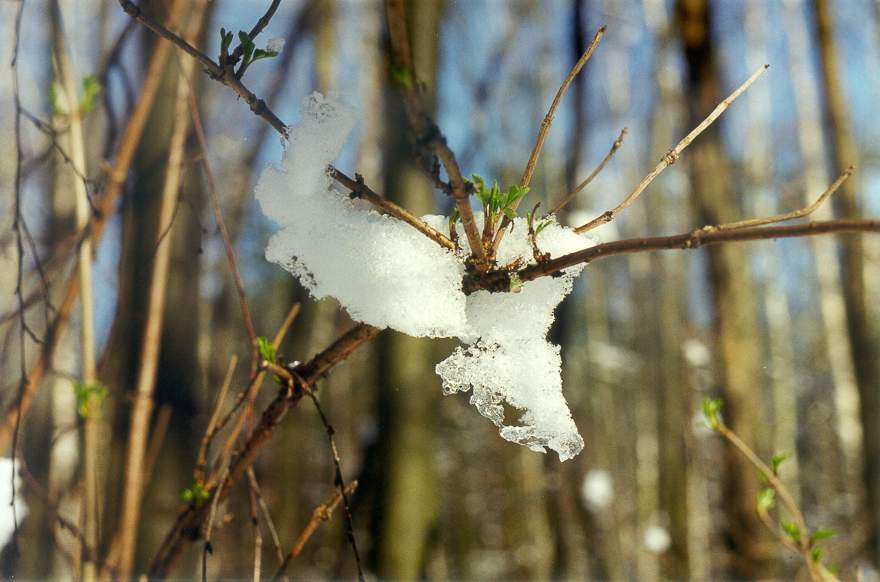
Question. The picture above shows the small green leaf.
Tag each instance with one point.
(454, 216)
(516, 283)
(711, 408)
(91, 90)
(247, 46)
(510, 213)
(402, 76)
(793, 531)
(195, 493)
(766, 500)
(778, 459)
(267, 350)
(823, 533)
(88, 397)
(816, 553)
(542, 225)
(225, 40)
(264, 54)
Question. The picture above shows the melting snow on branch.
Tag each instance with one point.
(9, 479)
(387, 274)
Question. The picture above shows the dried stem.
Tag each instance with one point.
(361, 190)
(551, 113)
(672, 155)
(82, 210)
(134, 484)
(115, 180)
(806, 210)
(545, 128)
(570, 196)
(201, 459)
(322, 512)
(340, 483)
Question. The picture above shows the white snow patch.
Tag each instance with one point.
(387, 274)
(7, 523)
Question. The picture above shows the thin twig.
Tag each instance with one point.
(672, 155)
(201, 458)
(801, 212)
(551, 113)
(545, 128)
(340, 483)
(322, 512)
(570, 196)
(428, 136)
(361, 190)
(134, 484)
(231, 257)
(499, 281)
(264, 509)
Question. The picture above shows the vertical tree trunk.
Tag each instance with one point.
(861, 333)
(733, 295)
(409, 391)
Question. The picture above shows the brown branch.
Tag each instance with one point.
(801, 212)
(545, 128)
(499, 281)
(361, 190)
(551, 113)
(672, 155)
(186, 527)
(428, 136)
(116, 177)
(570, 196)
(322, 512)
(228, 246)
(202, 457)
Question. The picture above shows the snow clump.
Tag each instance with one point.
(387, 274)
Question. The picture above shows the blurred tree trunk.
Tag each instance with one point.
(733, 295)
(178, 375)
(409, 391)
(674, 395)
(833, 338)
(862, 339)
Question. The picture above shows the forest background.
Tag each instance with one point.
(786, 331)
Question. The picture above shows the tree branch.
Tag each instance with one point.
(499, 281)
(672, 155)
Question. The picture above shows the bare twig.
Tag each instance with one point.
(201, 459)
(134, 485)
(231, 258)
(114, 182)
(361, 190)
(428, 136)
(93, 442)
(545, 128)
(499, 281)
(801, 212)
(322, 512)
(598, 170)
(340, 483)
(672, 155)
(551, 113)
(264, 509)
